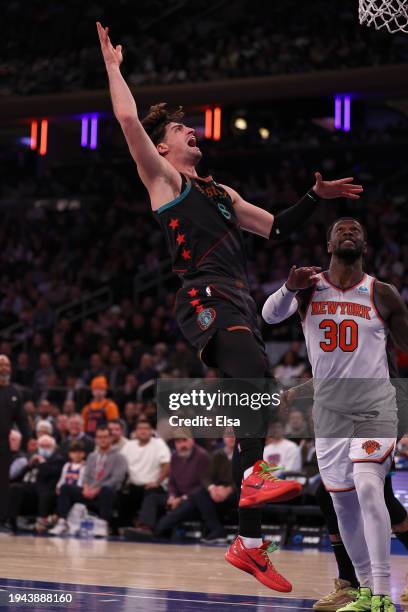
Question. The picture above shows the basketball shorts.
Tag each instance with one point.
(336, 458)
(204, 307)
(343, 440)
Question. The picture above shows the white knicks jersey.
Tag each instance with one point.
(345, 335)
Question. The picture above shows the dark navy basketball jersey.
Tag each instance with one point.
(203, 233)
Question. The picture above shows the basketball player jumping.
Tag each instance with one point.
(346, 315)
(203, 223)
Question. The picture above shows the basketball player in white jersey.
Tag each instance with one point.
(346, 315)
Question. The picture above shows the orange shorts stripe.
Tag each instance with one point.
(339, 490)
(235, 327)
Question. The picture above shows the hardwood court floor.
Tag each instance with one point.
(191, 569)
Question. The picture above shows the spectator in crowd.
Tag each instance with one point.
(146, 370)
(101, 409)
(289, 369)
(297, 426)
(117, 371)
(131, 414)
(128, 393)
(282, 452)
(117, 430)
(185, 360)
(148, 461)
(61, 429)
(97, 368)
(72, 397)
(44, 411)
(69, 407)
(43, 373)
(76, 434)
(23, 372)
(105, 471)
(44, 427)
(31, 412)
(73, 471)
(218, 494)
(18, 458)
(188, 466)
(35, 495)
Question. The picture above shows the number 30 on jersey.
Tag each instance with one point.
(342, 335)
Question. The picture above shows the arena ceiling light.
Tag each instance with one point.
(240, 123)
(264, 133)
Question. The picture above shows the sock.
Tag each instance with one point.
(247, 472)
(346, 569)
(369, 481)
(251, 542)
(351, 529)
(403, 537)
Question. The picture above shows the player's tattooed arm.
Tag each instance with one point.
(394, 311)
(151, 165)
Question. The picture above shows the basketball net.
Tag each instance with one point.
(391, 15)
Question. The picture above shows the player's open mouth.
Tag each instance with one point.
(348, 242)
(192, 141)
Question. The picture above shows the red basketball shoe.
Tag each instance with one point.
(256, 561)
(262, 486)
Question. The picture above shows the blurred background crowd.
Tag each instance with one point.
(184, 43)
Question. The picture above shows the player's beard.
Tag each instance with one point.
(349, 256)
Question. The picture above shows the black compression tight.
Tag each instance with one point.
(238, 355)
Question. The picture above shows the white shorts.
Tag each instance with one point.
(336, 458)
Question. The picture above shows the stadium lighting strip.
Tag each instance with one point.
(42, 150)
(342, 113)
(34, 135)
(43, 137)
(91, 142)
(212, 124)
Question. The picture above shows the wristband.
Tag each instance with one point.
(292, 218)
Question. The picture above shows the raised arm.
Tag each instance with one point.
(258, 221)
(150, 164)
(394, 311)
(283, 303)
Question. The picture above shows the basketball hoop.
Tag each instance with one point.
(391, 15)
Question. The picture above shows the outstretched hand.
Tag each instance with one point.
(342, 188)
(302, 278)
(111, 55)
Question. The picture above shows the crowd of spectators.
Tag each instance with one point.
(48, 49)
(133, 480)
(113, 238)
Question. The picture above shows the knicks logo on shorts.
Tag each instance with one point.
(205, 318)
(371, 446)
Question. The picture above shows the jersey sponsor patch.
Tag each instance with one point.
(371, 446)
(205, 318)
(363, 289)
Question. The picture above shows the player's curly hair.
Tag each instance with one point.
(158, 118)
